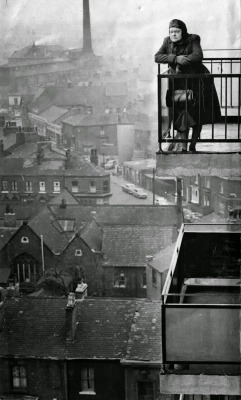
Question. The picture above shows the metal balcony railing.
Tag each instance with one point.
(225, 77)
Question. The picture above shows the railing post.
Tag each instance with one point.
(159, 102)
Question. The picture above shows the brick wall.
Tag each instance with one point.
(45, 378)
(89, 263)
(108, 380)
(141, 374)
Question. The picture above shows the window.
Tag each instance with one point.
(92, 187)
(75, 187)
(26, 269)
(4, 186)
(56, 186)
(207, 182)
(154, 277)
(145, 390)
(19, 376)
(106, 186)
(24, 239)
(87, 380)
(78, 253)
(195, 195)
(119, 280)
(42, 186)
(29, 186)
(14, 186)
(144, 280)
(206, 199)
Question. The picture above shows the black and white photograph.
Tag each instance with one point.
(120, 199)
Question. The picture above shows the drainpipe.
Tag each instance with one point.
(42, 254)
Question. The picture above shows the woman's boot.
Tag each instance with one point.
(196, 130)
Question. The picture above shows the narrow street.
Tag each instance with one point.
(120, 197)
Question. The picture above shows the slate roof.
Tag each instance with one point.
(162, 260)
(143, 215)
(35, 327)
(53, 113)
(54, 236)
(64, 195)
(93, 120)
(22, 211)
(92, 234)
(129, 245)
(144, 342)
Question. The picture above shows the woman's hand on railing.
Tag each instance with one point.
(182, 60)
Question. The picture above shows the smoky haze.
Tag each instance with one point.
(134, 28)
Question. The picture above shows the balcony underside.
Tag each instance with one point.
(191, 164)
(200, 384)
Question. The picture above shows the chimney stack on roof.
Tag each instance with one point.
(70, 317)
(81, 291)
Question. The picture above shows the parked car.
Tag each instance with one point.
(110, 164)
(128, 187)
(139, 193)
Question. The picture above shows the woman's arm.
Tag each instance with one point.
(162, 56)
(197, 53)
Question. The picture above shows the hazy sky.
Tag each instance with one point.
(129, 27)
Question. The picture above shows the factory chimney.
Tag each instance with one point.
(87, 45)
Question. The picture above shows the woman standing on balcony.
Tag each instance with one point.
(183, 53)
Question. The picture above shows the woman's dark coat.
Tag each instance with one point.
(203, 89)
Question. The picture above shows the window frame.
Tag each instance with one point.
(4, 186)
(14, 186)
(56, 186)
(75, 186)
(42, 187)
(87, 379)
(119, 279)
(29, 186)
(23, 381)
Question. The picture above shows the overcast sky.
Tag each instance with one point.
(130, 27)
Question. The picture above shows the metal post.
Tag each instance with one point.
(153, 186)
(42, 254)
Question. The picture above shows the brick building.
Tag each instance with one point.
(107, 246)
(112, 131)
(206, 194)
(47, 351)
(40, 171)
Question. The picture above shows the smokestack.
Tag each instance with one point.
(87, 45)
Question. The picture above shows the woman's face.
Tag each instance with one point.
(175, 34)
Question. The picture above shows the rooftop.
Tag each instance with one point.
(35, 327)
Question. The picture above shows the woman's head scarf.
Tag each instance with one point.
(177, 23)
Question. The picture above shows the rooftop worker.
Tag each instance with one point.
(183, 53)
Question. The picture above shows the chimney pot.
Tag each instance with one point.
(81, 290)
